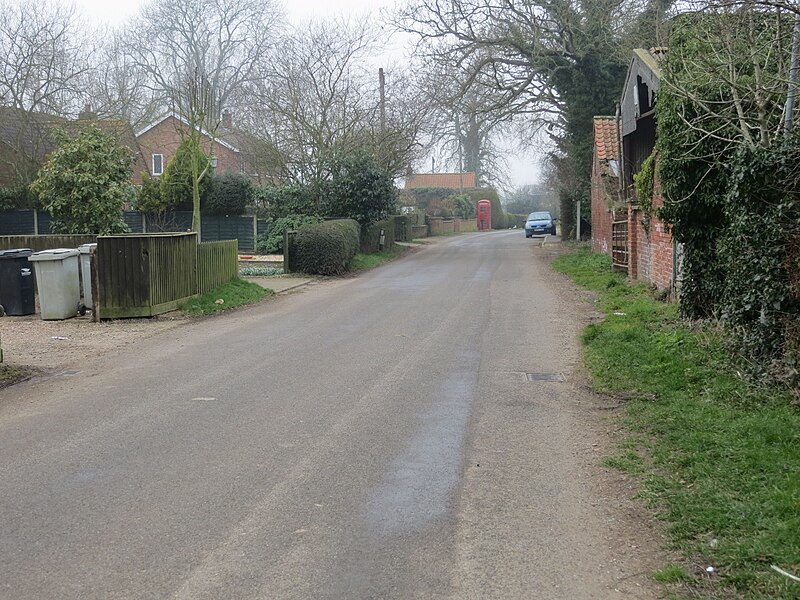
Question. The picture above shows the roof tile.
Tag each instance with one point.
(445, 180)
(606, 138)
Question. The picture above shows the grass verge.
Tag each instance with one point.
(229, 295)
(11, 375)
(362, 262)
(719, 458)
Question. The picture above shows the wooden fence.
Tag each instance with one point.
(145, 275)
(213, 228)
(217, 263)
(44, 242)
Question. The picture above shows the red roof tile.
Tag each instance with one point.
(606, 139)
(446, 180)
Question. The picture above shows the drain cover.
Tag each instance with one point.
(544, 376)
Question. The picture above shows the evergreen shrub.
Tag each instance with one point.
(272, 242)
(326, 248)
(229, 194)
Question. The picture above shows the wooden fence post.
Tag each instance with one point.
(95, 276)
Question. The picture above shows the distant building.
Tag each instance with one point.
(455, 181)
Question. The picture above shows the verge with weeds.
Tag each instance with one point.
(362, 261)
(229, 295)
(719, 458)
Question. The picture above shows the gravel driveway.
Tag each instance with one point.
(57, 345)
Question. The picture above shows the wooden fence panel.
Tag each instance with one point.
(145, 275)
(44, 242)
(217, 263)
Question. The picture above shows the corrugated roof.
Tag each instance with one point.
(445, 180)
(606, 144)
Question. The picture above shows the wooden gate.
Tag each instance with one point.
(619, 244)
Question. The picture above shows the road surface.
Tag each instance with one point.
(373, 437)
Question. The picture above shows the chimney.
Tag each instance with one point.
(86, 114)
(227, 119)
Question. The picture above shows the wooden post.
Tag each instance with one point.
(578, 223)
(95, 276)
(287, 236)
(255, 233)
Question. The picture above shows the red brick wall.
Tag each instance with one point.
(165, 138)
(651, 250)
(602, 217)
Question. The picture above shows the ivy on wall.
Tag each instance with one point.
(731, 199)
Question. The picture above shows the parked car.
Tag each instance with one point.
(541, 223)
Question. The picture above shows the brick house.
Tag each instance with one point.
(26, 138)
(608, 207)
(159, 141)
(652, 254)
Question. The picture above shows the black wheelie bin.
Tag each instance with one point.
(16, 282)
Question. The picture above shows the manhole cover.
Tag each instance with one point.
(544, 376)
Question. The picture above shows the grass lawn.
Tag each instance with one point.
(362, 262)
(232, 294)
(719, 458)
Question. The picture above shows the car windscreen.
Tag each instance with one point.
(540, 216)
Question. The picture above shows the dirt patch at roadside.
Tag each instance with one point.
(57, 345)
(637, 532)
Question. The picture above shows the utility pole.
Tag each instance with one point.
(382, 82)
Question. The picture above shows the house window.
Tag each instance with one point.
(158, 164)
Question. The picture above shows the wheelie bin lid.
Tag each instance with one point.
(87, 248)
(55, 254)
(15, 253)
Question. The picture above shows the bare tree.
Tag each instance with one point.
(464, 127)
(119, 87)
(553, 64)
(738, 84)
(321, 98)
(197, 55)
(42, 72)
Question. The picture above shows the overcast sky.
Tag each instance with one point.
(522, 169)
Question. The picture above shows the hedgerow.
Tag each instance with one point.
(731, 197)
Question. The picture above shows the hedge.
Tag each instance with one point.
(371, 235)
(325, 248)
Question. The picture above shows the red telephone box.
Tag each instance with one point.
(484, 215)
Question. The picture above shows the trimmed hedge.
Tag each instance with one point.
(325, 248)
(371, 236)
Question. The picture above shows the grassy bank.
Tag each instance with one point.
(719, 458)
(230, 295)
(362, 262)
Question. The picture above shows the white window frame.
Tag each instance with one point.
(161, 172)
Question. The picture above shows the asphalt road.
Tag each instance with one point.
(373, 437)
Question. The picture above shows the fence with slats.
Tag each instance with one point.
(213, 228)
(44, 242)
(145, 275)
(217, 263)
